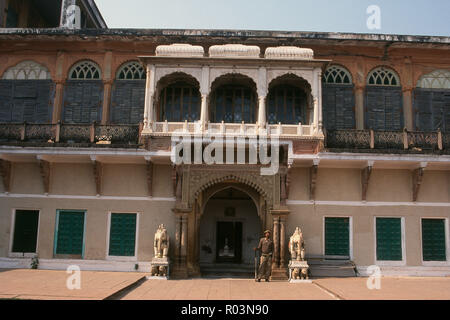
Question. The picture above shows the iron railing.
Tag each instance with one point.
(387, 140)
(70, 133)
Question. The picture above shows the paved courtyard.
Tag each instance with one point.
(51, 285)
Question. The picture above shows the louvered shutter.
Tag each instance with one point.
(337, 237)
(70, 233)
(433, 240)
(122, 235)
(389, 239)
(384, 108)
(432, 107)
(25, 231)
(128, 101)
(338, 106)
(83, 101)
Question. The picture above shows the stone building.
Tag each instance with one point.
(360, 125)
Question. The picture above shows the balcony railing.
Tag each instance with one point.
(70, 134)
(245, 129)
(388, 140)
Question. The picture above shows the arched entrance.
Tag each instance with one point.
(230, 227)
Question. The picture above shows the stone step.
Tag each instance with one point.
(228, 270)
(332, 269)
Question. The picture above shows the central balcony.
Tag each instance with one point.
(231, 129)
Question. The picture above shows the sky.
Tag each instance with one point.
(412, 17)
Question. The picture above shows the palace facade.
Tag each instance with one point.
(360, 126)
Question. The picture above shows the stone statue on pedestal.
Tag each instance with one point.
(161, 242)
(160, 261)
(297, 245)
(298, 266)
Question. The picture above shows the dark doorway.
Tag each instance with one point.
(229, 242)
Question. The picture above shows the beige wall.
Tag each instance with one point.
(340, 186)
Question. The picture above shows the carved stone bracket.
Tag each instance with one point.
(417, 180)
(5, 171)
(365, 177)
(45, 171)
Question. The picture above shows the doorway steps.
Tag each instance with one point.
(227, 270)
(331, 268)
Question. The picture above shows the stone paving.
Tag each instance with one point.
(51, 285)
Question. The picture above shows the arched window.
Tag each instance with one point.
(383, 77)
(233, 99)
(83, 94)
(27, 70)
(131, 71)
(432, 101)
(438, 79)
(337, 75)
(179, 98)
(85, 70)
(26, 94)
(384, 100)
(338, 100)
(286, 104)
(128, 94)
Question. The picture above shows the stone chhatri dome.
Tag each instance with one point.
(234, 51)
(293, 53)
(179, 50)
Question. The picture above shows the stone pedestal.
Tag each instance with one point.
(160, 269)
(298, 272)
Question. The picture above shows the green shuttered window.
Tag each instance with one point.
(25, 231)
(70, 233)
(122, 239)
(337, 237)
(433, 240)
(389, 239)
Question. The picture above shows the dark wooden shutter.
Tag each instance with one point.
(25, 231)
(83, 101)
(433, 240)
(337, 237)
(26, 100)
(70, 233)
(128, 100)
(122, 235)
(384, 108)
(432, 108)
(389, 239)
(338, 106)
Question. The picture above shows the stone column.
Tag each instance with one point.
(276, 242)
(316, 115)
(177, 239)
(319, 97)
(204, 111)
(408, 109)
(58, 101)
(359, 107)
(149, 96)
(262, 112)
(282, 241)
(183, 244)
(107, 84)
(59, 89)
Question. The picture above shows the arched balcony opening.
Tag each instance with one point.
(178, 98)
(233, 99)
(289, 101)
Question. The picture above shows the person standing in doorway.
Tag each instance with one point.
(265, 247)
